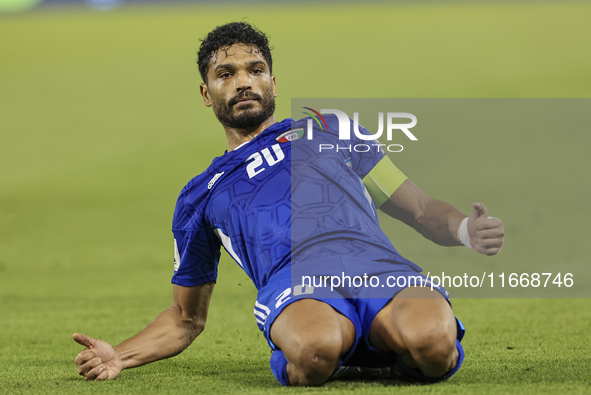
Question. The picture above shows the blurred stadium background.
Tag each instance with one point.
(102, 124)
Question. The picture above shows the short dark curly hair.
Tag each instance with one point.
(222, 37)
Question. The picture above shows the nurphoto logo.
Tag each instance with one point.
(345, 129)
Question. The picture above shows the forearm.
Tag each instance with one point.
(439, 222)
(168, 335)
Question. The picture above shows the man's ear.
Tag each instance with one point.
(205, 93)
(274, 84)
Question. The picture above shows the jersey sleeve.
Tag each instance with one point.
(196, 247)
(196, 257)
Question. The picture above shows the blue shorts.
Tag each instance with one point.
(360, 307)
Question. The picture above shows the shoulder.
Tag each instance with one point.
(191, 200)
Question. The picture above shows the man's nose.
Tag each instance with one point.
(243, 81)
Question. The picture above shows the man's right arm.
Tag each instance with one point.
(168, 335)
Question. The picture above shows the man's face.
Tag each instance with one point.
(240, 87)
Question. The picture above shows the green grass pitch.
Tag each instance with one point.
(102, 124)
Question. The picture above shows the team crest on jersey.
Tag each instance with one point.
(290, 135)
(214, 179)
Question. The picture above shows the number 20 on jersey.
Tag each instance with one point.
(257, 164)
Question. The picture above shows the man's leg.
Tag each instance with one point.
(419, 325)
(313, 337)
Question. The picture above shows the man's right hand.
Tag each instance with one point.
(98, 361)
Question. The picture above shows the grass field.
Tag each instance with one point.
(102, 124)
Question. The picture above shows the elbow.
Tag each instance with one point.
(193, 325)
(189, 329)
(420, 214)
(419, 221)
(198, 328)
(423, 230)
(424, 227)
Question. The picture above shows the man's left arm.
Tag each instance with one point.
(442, 223)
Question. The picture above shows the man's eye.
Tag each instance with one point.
(224, 75)
(257, 71)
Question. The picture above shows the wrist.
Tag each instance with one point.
(462, 233)
(120, 355)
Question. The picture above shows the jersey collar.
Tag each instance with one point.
(237, 153)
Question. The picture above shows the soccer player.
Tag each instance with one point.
(278, 207)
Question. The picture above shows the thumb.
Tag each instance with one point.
(480, 210)
(84, 340)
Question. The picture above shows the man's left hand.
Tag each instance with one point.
(486, 233)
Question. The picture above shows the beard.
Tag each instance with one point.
(249, 117)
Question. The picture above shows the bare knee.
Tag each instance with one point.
(312, 336)
(434, 350)
(421, 327)
(315, 360)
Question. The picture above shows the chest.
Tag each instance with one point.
(258, 184)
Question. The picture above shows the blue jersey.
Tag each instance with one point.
(276, 200)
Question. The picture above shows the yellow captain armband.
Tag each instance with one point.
(383, 180)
